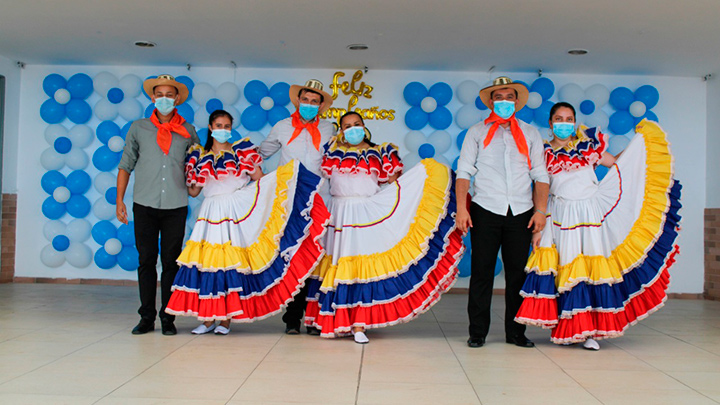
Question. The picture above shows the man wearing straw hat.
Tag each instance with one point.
(506, 157)
(301, 137)
(155, 149)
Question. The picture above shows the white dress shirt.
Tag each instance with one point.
(502, 176)
(301, 148)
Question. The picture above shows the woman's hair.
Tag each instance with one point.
(215, 114)
(560, 105)
(367, 131)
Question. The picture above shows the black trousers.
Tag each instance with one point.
(489, 232)
(296, 308)
(169, 226)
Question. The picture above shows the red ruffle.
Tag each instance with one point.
(537, 311)
(586, 152)
(383, 161)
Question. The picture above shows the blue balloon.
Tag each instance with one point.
(61, 243)
(128, 258)
(416, 118)
(600, 171)
(541, 115)
(587, 107)
(80, 86)
(62, 145)
(277, 114)
(52, 112)
(461, 138)
(78, 111)
(126, 233)
(52, 83)
(143, 92)
(234, 136)
(651, 116)
(53, 209)
(525, 114)
(414, 93)
(102, 231)
(115, 95)
(186, 112)
(78, 182)
(280, 93)
(498, 266)
(78, 206)
(523, 83)
(254, 117)
(111, 195)
(621, 122)
(104, 260)
(544, 86)
(212, 105)
(426, 151)
(52, 180)
(149, 110)
(648, 95)
(202, 134)
(254, 91)
(479, 104)
(105, 160)
(455, 163)
(188, 82)
(106, 130)
(441, 92)
(465, 265)
(621, 98)
(441, 118)
(124, 130)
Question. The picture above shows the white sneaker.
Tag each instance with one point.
(202, 329)
(221, 330)
(591, 344)
(360, 337)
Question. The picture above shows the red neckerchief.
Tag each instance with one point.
(312, 128)
(517, 133)
(164, 133)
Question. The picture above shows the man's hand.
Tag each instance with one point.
(537, 222)
(464, 223)
(536, 240)
(121, 212)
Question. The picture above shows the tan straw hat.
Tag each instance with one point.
(503, 82)
(313, 85)
(166, 80)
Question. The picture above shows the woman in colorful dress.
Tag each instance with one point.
(256, 238)
(601, 264)
(392, 244)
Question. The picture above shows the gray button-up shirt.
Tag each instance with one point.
(159, 178)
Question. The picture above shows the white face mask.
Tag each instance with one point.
(165, 105)
(221, 135)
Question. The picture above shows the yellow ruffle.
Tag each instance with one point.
(256, 257)
(646, 229)
(365, 268)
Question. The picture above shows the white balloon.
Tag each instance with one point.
(103, 210)
(202, 92)
(442, 159)
(103, 181)
(256, 137)
(467, 92)
(53, 228)
(53, 132)
(105, 110)
(113, 246)
(598, 119)
(413, 140)
(441, 141)
(267, 103)
(51, 160)
(227, 92)
(572, 93)
(104, 81)
(428, 104)
(78, 230)
(131, 85)
(534, 100)
(234, 113)
(598, 94)
(61, 194)
(410, 160)
(51, 257)
(130, 109)
(467, 116)
(78, 255)
(62, 96)
(637, 109)
(81, 136)
(202, 118)
(116, 143)
(618, 143)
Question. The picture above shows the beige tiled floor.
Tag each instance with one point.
(71, 344)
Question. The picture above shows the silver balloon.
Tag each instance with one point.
(267, 103)
(428, 104)
(103, 210)
(62, 96)
(113, 246)
(202, 92)
(467, 116)
(256, 137)
(413, 140)
(51, 160)
(130, 109)
(61, 194)
(81, 136)
(410, 160)
(131, 85)
(78, 255)
(441, 141)
(467, 92)
(78, 230)
(572, 93)
(637, 109)
(116, 143)
(228, 93)
(534, 100)
(104, 81)
(105, 110)
(103, 181)
(77, 159)
(53, 228)
(51, 257)
(598, 94)
(53, 132)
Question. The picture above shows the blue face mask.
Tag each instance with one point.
(503, 108)
(308, 111)
(165, 105)
(221, 135)
(354, 135)
(563, 130)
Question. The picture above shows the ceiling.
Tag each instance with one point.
(657, 37)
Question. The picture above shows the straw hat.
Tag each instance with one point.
(166, 80)
(313, 85)
(503, 82)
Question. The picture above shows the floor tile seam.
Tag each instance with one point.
(359, 378)
(462, 367)
(254, 369)
(564, 371)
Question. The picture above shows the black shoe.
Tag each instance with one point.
(168, 327)
(143, 327)
(476, 342)
(292, 330)
(520, 341)
(312, 331)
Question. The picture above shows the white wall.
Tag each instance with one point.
(12, 73)
(681, 111)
